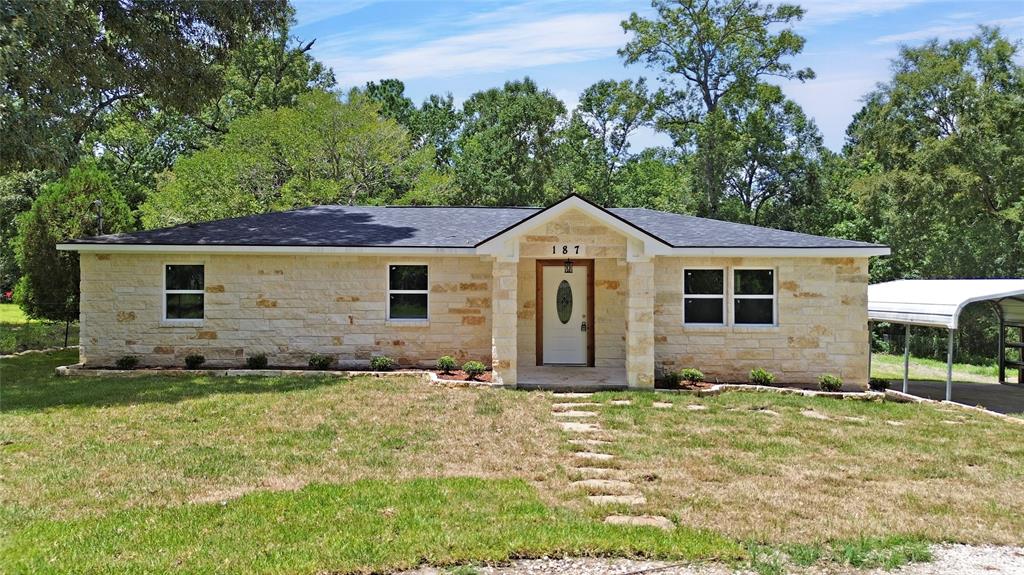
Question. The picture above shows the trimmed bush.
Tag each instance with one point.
(878, 384)
(258, 361)
(193, 361)
(381, 363)
(692, 375)
(446, 363)
(473, 369)
(829, 382)
(671, 378)
(320, 362)
(761, 376)
(128, 362)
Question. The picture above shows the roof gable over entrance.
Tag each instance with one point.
(640, 243)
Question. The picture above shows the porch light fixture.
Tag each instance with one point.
(568, 266)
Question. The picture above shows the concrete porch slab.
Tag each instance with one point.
(572, 378)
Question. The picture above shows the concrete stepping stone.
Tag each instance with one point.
(857, 419)
(574, 413)
(580, 427)
(573, 394)
(593, 456)
(641, 521)
(589, 442)
(696, 407)
(598, 472)
(617, 499)
(895, 423)
(951, 422)
(606, 486)
(662, 405)
(813, 414)
(573, 405)
(770, 412)
(621, 402)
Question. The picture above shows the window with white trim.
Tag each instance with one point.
(183, 291)
(407, 292)
(753, 297)
(704, 296)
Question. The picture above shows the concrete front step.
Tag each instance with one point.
(617, 499)
(641, 521)
(606, 486)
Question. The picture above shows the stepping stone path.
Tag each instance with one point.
(594, 469)
(813, 414)
(696, 407)
(641, 521)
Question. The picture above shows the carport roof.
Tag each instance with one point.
(937, 303)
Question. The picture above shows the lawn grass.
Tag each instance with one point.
(755, 466)
(887, 366)
(305, 475)
(19, 333)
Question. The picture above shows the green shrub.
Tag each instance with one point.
(829, 382)
(381, 363)
(446, 363)
(761, 376)
(128, 362)
(320, 362)
(194, 360)
(258, 361)
(473, 369)
(692, 375)
(878, 384)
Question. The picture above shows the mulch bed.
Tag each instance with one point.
(459, 375)
(684, 385)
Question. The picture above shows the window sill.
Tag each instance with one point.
(407, 322)
(181, 323)
(734, 328)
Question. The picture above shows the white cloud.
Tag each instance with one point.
(311, 11)
(947, 31)
(541, 41)
(831, 11)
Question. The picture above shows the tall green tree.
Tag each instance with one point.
(17, 192)
(64, 64)
(595, 145)
(708, 52)
(49, 285)
(321, 151)
(508, 144)
(941, 156)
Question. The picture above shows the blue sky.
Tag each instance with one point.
(465, 46)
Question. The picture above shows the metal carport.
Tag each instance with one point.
(937, 303)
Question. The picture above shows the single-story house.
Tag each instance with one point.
(623, 292)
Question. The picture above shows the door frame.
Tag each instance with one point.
(591, 323)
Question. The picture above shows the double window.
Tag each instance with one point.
(183, 292)
(706, 293)
(407, 292)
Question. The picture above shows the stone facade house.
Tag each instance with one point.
(569, 293)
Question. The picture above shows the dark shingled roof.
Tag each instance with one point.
(445, 227)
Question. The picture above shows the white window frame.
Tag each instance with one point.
(164, 292)
(724, 296)
(774, 296)
(389, 291)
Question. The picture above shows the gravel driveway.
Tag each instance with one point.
(948, 560)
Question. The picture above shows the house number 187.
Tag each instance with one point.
(565, 250)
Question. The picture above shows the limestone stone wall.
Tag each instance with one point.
(285, 306)
(822, 323)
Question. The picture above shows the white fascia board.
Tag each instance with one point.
(496, 245)
(263, 250)
(855, 252)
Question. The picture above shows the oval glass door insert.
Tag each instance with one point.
(563, 302)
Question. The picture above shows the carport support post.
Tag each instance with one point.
(906, 358)
(949, 367)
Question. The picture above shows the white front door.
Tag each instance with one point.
(565, 313)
